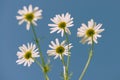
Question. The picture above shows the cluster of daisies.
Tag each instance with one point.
(61, 24)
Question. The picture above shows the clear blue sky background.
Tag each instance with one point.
(105, 64)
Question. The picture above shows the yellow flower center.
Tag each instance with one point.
(29, 17)
(60, 50)
(90, 32)
(28, 55)
(62, 25)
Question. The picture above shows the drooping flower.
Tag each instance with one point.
(30, 16)
(27, 54)
(61, 23)
(90, 32)
(59, 49)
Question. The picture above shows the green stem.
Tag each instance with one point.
(39, 64)
(86, 66)
(64, 65)
(45, 74)
(63, 62)
(67, 40)
(40, 52)
(37, 43)
(68, 59)
(88, 61)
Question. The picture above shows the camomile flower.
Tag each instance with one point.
(90, 33)
(27, 54)
(61, 23)
(30, 16)
(59, 49)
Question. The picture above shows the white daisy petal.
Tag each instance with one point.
(90, 23)
(25, 9)
(61, 22)
(57, 41)
(100, 30)
(20, 12)
(53, 43)
(19, 17)
(34, 23)
(53, 20)
(38, 13)
(68, 31)
(25, 63)
(58, 49)
(20, 61)
(19, 54)
(36, 8)
(30, 8)
(53, 25)
(29, 63)
(99, 36)
(62, 33)
(87, 32)
(51, 46)
(28, 26)
(59, 31)
(84, 25)
(56, 56)
(30, 15)
(20, 22)
(26, 54)
(98, 27)
(95, 40)
(54, 30)
(60, 56)
(63, 43)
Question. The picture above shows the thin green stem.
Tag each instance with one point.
(86, 66)
(63, 62)
(39, 64)
(37, 43)
(40, 52)
(67, 40)
(45, 74)
(88, 61)
(64, 72)
(68, 59)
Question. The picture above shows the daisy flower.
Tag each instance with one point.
(27, 54)
(30, 16)
(59, 49)
(61, 24)
(90, 32)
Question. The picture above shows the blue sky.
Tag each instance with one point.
(105, 63)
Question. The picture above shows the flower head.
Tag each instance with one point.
(90, 33)
(30, 16)
(59, 49)
(61, 24)
(27, 54)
